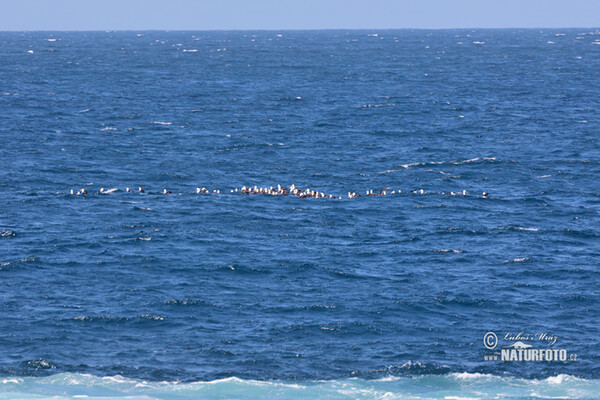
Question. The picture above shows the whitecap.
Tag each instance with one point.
(452, 386)
(518, 228)
(556, 380)
(152, 317)
(12, 380)
(470, 375)
(454, 162)
(411, 165)
(190, 50)
(161, 123)
(518, 260)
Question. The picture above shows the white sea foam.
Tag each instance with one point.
(453, 386)
(470, 376)
(377, 105)
(556, 380)
(190, 50)
(517, 260)
(12, 380)
(454, 162)
(161, 123)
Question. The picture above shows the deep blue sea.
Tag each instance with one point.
(230, 295)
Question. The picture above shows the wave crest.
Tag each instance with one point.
(448, 386)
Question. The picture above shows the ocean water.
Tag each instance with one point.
(224, 295)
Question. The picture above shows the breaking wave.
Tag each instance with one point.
(450, 386)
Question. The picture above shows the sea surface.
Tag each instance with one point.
(226, 295)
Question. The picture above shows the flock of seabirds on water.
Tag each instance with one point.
(283, 191)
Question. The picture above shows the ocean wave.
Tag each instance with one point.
(110, 318)
(518, 228)
(7, 233)
(518, 260)
(15, 263)
(452, 162)
(449, 386)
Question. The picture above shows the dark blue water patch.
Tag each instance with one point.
(200, 287)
